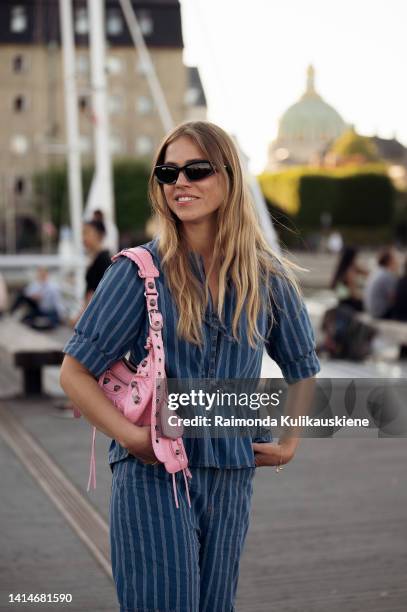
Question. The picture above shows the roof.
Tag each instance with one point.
(44, 23)
(390, 148)
(311, 117)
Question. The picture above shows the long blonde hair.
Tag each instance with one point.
(240, 246)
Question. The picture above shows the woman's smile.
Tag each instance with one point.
(183, 199)
(200, 198)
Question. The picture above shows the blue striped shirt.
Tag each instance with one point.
(115, 323)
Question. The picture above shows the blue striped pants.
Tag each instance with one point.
(166, 559)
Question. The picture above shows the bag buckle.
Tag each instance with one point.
(158, 324)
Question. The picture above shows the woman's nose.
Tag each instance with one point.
(182, 179)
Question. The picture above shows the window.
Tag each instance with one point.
(81, 21)
(19, 185)
(192, 96)
(19, 104)
(115, 104)
(141, 66)
(114, 22)
(145, 22)
(18, 19)
(144, 145)
(19, 63)
(144, 105)
(116, 144)
(19, 144)
(82, 63)
(114, 64)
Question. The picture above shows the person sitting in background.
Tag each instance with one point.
(42, 300)
(380, 290)
(347, 281)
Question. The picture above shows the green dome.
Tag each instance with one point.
(311, 118)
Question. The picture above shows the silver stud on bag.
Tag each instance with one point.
(143, 381)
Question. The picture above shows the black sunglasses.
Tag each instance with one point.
(194, 171)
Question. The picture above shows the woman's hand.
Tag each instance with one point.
(269, 453)
(141, 446)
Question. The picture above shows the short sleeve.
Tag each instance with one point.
(291, 341)
(112, 320)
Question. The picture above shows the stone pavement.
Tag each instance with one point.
(327, 534)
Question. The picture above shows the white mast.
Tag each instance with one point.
(73, 142)
(101, 194)
(146, 62)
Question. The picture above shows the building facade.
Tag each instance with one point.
(32, 81)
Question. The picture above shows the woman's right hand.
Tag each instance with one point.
(140, 445)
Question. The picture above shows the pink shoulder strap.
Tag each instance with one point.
(143, 259)
(148, 271)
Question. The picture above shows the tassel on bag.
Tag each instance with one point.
(139, 393)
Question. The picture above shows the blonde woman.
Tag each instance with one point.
(224, 296)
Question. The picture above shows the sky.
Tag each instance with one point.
(253, 56)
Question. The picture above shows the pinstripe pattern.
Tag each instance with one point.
(183, 560)
(115, 322)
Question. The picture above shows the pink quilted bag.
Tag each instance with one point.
(140, 392)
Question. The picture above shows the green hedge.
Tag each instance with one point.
(353, 197)
(361, 199)
(130, 193)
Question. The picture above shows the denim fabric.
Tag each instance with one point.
(166, 559)
(115, 323)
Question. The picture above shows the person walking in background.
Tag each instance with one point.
(93, 235)
(380, 289)
(348, 279)
(111, 239)
(42, 302)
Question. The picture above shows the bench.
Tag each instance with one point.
(395, 331)
(30, 350)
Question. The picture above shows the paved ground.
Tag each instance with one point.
(39, 551)
(328, 533)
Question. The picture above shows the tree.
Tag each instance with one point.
(130, 193)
